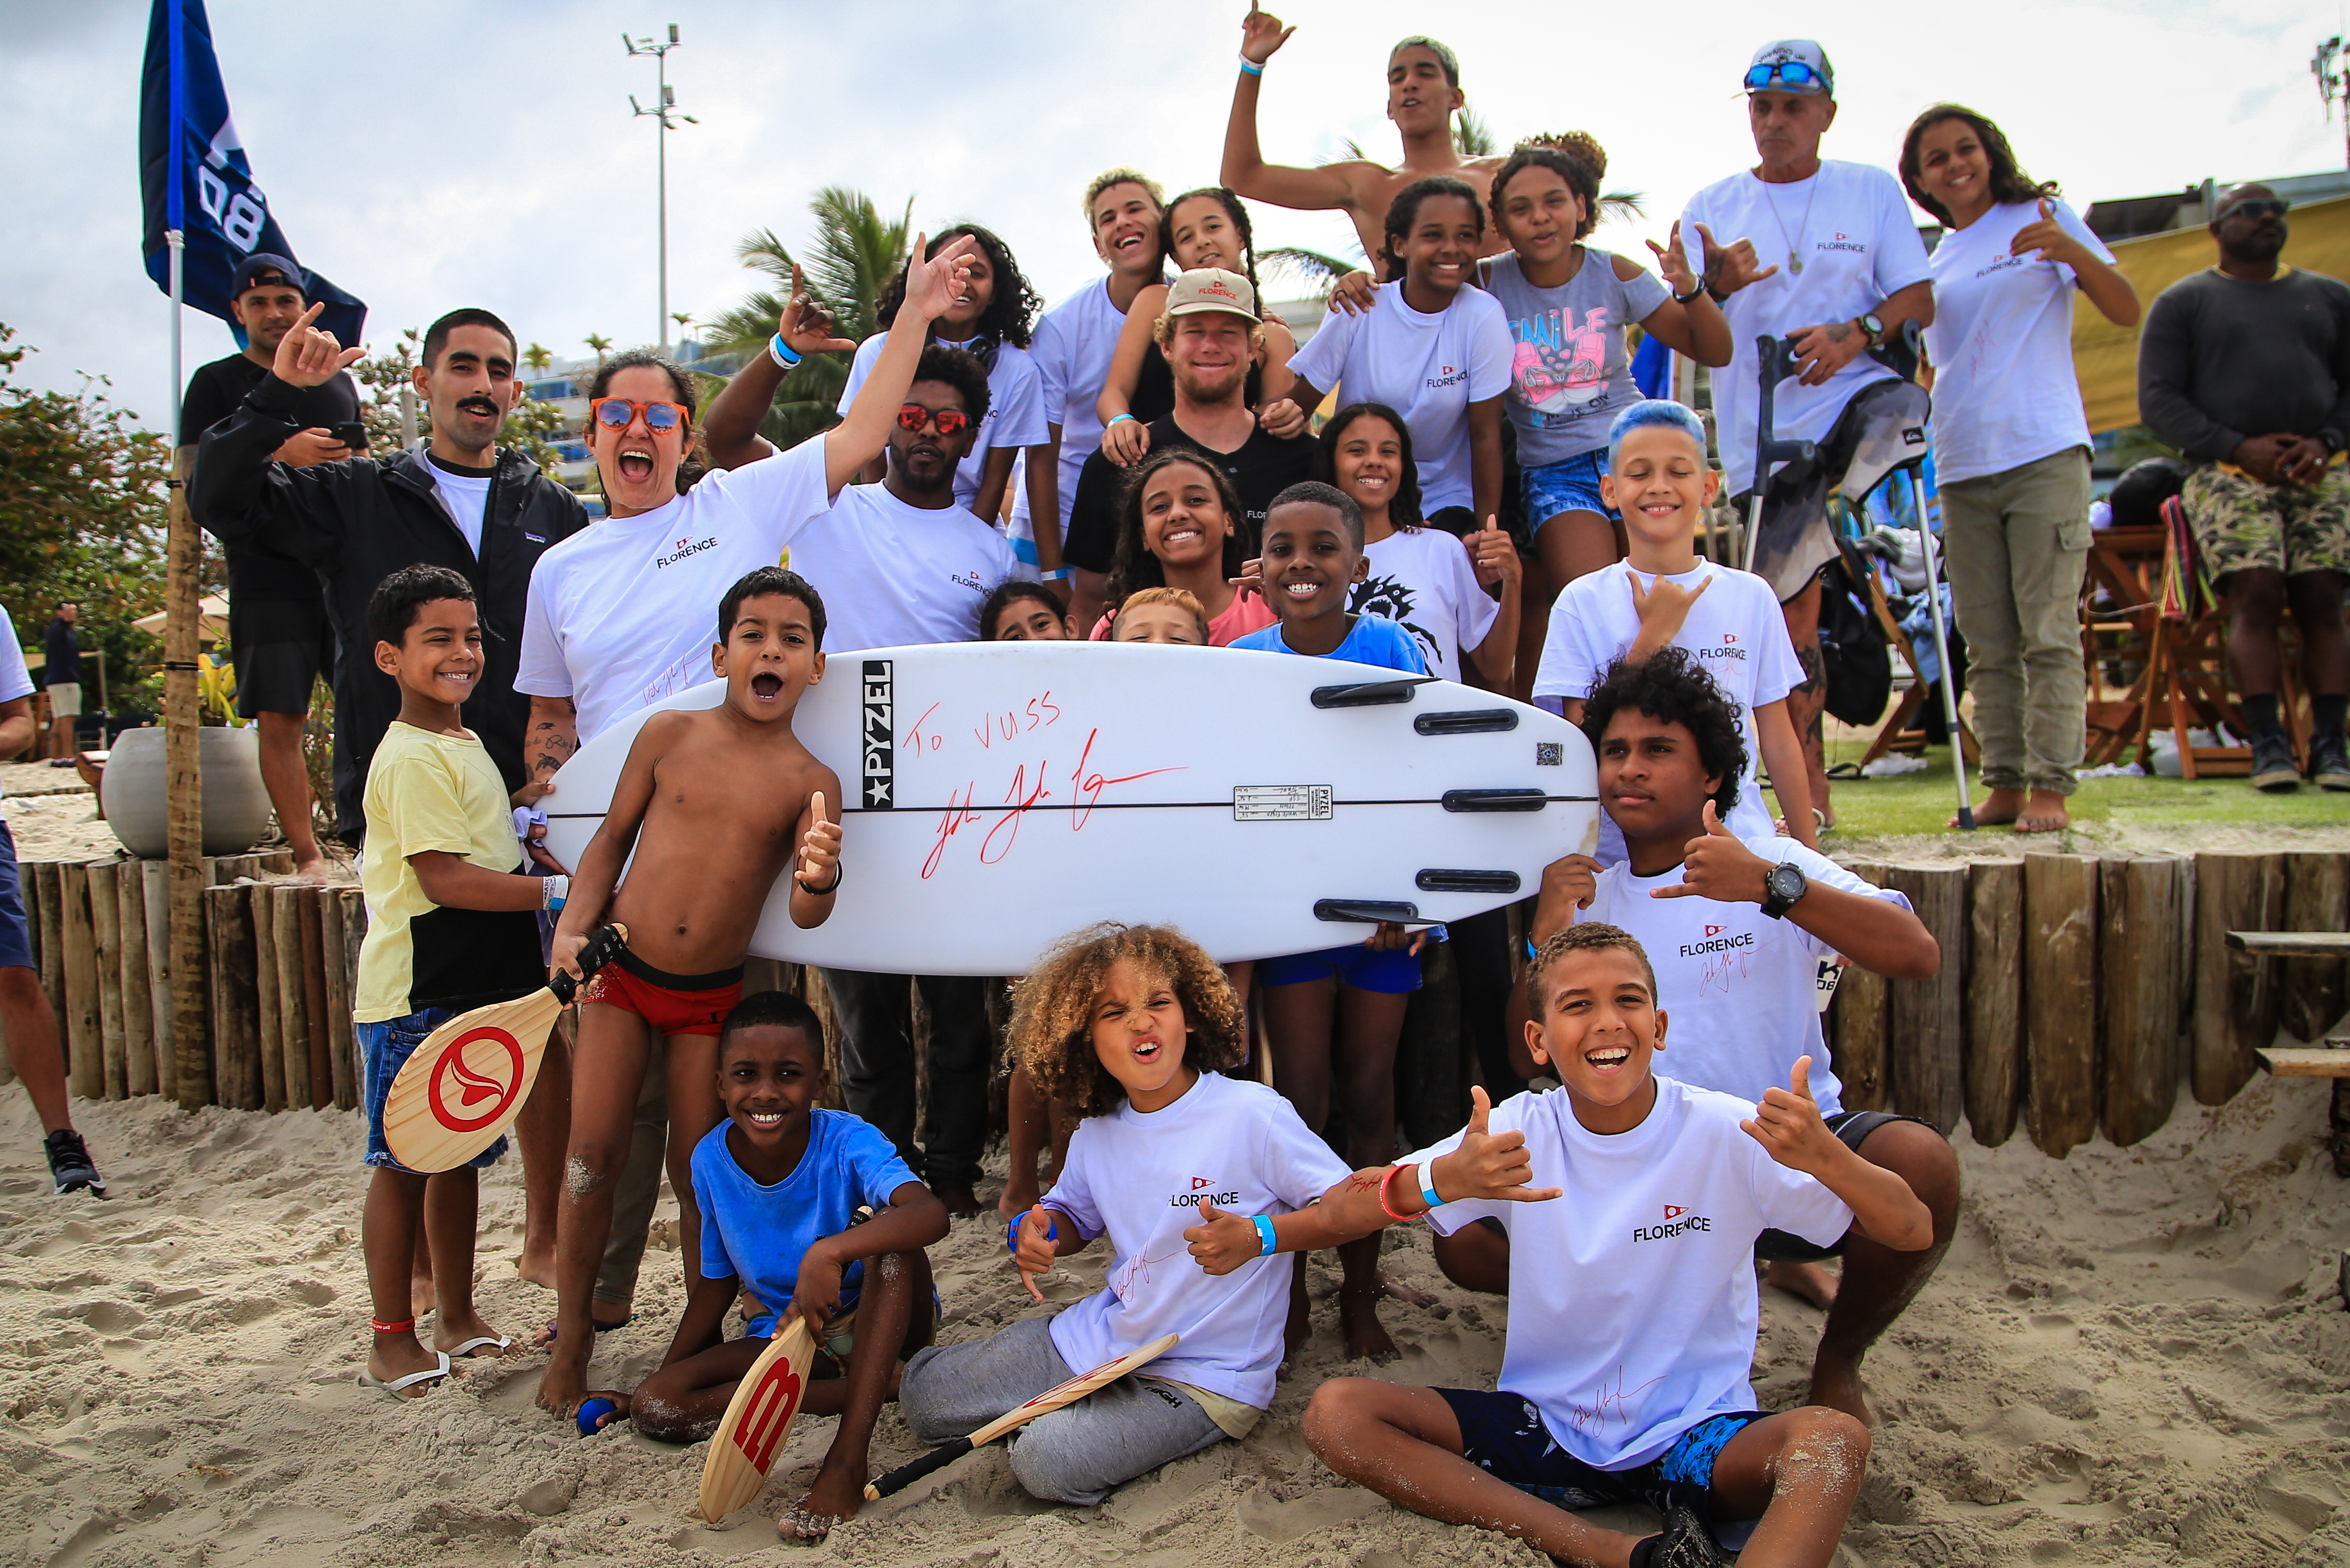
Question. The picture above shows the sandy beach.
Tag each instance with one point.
(2131, 1356)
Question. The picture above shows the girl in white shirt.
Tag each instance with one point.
(1129, 1026)
(2012, 447)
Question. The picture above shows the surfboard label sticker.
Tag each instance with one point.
(1549, 755)
(1281, 802)
(880, 736)
(493, 1073)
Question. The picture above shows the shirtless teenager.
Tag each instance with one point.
(712, 801)
(1423, 93)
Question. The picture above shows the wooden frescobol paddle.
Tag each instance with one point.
(466, 1083)
(757, 1423)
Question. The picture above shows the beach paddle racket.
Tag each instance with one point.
(758, 1420)
(1044, 1404)
(466, 1083)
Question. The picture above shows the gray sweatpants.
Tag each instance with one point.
(1079, 1453)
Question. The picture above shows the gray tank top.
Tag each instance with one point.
(1571, 374)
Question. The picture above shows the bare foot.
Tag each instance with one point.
(536, 1264)
(2045, 814)
(565, 1382)
(1358, 1322)
(421, 1297)
(1999, 807)
(838, 1492)
(450, 1332)
(396, 1355)
(1808, 1280)
(1839, 1386)
(600, 1314)
(1020, 1193)
(961, 1200)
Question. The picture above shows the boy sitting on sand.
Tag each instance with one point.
(723, 797)
(452, 925)
(779, 1184)
(1632, 1304)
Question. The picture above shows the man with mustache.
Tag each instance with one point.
(2245, 369)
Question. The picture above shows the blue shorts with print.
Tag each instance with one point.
(1504, 1435)
(384, 1049)
(15, 939)
(1571, 485)
(1391, 971)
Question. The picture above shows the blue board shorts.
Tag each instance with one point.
(1504, 1435)
(384, 1049)
(1390, 972)
(15, 939)
(1569, 485)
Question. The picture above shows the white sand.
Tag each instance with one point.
(2133, 1356)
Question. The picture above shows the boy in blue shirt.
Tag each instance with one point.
(1342, 1007)
(780, 1183)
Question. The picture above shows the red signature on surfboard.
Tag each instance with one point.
(1026, 790)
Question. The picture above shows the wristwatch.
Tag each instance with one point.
(1873, 325)
(1782, 885)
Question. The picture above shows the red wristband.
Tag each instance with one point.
(382, 1327)
(1385, 1206)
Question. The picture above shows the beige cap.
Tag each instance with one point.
(1211, 288)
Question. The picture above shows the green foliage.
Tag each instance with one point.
(1317, 272)
(1472, 137)
(83, 505)
(849, 260)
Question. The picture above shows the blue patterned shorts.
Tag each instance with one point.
(1504, 1435)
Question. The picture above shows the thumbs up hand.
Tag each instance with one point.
(819, 868)
(1716, 865)
(1222, 1241)
(2049, 238)
(1493, 556)
(1788, 1123)
(1488, 1165)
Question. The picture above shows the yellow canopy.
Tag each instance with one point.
(2105, 356)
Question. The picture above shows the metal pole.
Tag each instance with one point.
(660, 182)
(1942, 648)
(183, 756)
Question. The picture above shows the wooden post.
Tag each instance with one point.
(2060, 981)
(314, 997)
(106, 950)
(268, 999)
(1926, 1014)
(2236, 1002)
(83, 1032)
(1994, 999)
(336, 997)
(1859, 1018)
(275, 863)
(155, 894)
(50, 877)
(355, 924)
(138, 1013)
(294, 1023)
(236, 1000)
(2138, 960)
(2316, 898)
(183, 782)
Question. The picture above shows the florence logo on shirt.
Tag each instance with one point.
(1200, 1194)
(1731, 649)
(683, 549)
(1715, 943)
(1678, 1218)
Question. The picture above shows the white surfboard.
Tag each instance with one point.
(1004, 795)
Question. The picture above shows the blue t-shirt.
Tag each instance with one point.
(1373, 639)
(758, 1234)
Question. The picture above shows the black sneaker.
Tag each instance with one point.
(1686, 1544)
(2329, 763)
(2273, 765)
(70, 1166)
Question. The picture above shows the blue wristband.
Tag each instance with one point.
(1427, 1193)
(1011, 1233)
(1115, 418)
(1251, 66)
(1265, 1244)
(1061, 576)
(781, 352)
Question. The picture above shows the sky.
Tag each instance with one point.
(441, 152)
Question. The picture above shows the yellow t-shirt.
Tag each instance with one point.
(429, 791)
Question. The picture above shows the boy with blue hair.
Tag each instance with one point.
(1666, 594)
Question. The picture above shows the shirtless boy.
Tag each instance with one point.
(1423, 93)
(712, 802)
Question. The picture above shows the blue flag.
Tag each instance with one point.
(194, 178)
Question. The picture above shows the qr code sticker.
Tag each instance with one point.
(1548, 754)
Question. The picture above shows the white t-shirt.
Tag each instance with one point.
(1735, 633)
(1741, 988)
(1850, 224)
(624, 611)
(2002, 343)
(1141, 1177)
(16, 681)
(1632, 1299)
(892, 574)
(1428, 369)
(1421, 579)
(1015, 407)
(466, 497)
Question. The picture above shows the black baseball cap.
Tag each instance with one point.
(261, 267)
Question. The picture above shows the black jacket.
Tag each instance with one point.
(356, 522)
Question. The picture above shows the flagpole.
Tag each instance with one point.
(183, 755)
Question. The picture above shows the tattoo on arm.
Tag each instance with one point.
(1839, 332)
(1363, 1181)
(1815, 670)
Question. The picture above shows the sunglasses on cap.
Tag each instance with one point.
(615, 414)
(1792, 74)
(913, 417)
(2260, 207)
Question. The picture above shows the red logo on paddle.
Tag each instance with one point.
(768, 1413)
(484, 1082)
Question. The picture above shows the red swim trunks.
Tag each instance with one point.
(670, 1004)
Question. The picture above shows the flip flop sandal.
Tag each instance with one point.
(497, 1342)
(799, 1524)
(397, 1387)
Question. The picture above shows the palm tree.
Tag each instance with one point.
(850, 257)
(684, 319)
(538, 358)
(1471, 136)
(598, 342)
(1318, 271)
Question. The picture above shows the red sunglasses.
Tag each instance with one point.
(913, 417)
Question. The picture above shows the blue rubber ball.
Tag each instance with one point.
(592, 1412)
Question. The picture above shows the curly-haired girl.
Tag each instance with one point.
(991, 321)
(1129, 1026)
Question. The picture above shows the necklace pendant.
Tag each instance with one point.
(1795, 263)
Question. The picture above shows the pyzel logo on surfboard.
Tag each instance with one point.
(880, 736)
